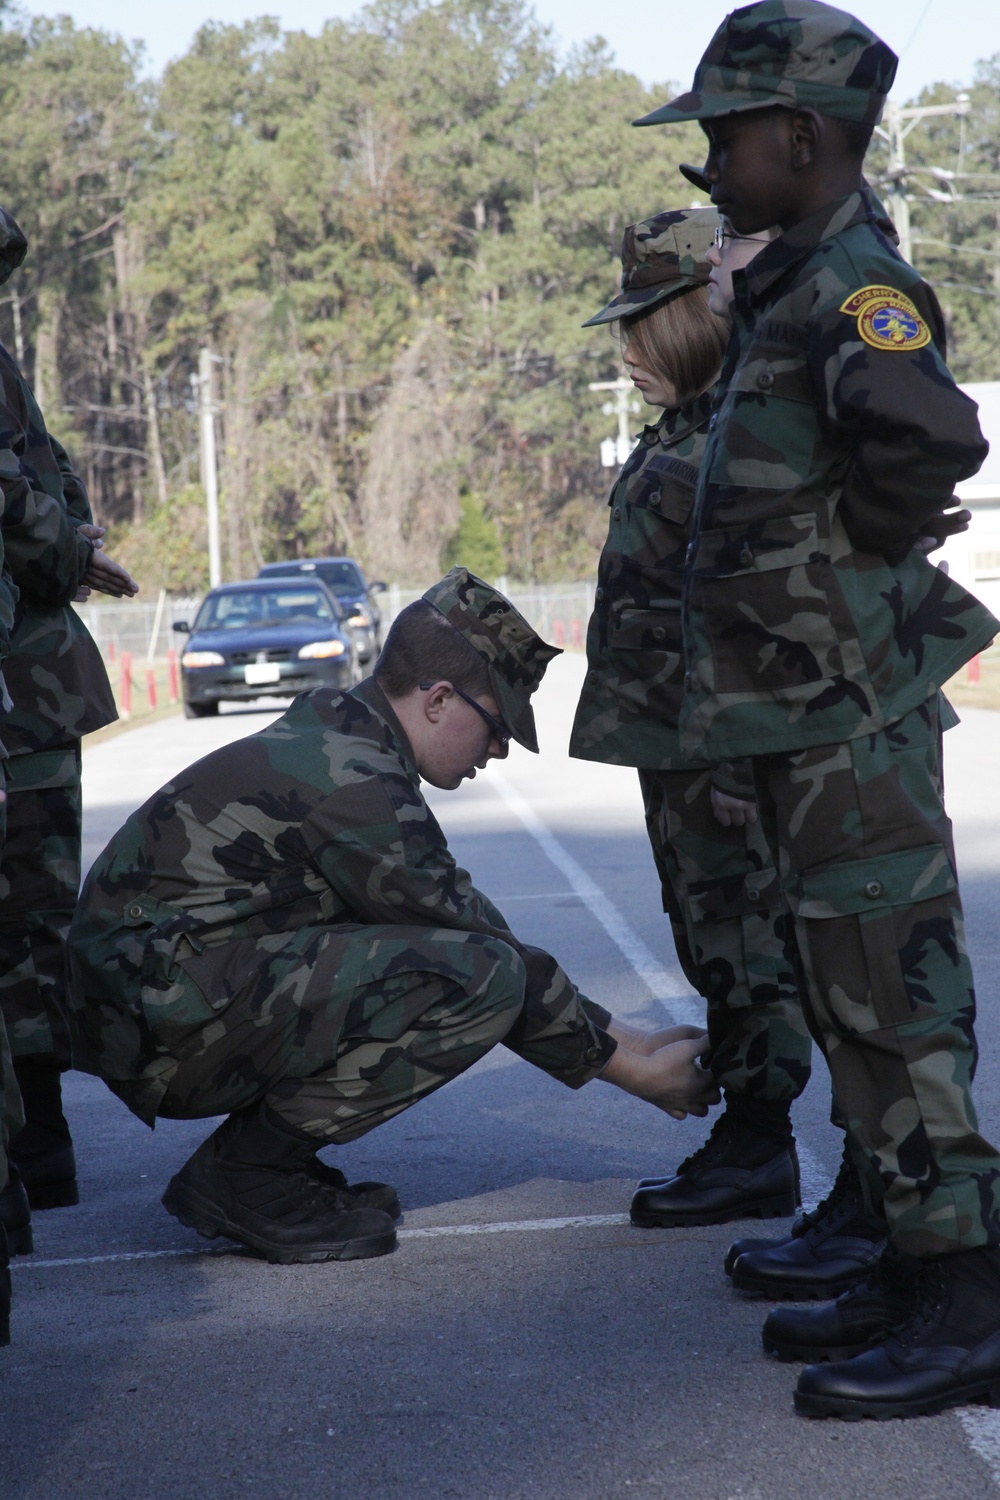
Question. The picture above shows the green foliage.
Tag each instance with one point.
(476, 543)
(389, 236)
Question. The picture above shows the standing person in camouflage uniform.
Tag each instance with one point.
(816, 638)
(281, 933)
(720, 889)
(60, 692)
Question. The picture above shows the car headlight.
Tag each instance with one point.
(202, 659)
(359, 617)
(321, 648)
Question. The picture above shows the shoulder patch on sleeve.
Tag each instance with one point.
(887, 319)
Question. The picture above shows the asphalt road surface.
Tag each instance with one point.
(523, 1341)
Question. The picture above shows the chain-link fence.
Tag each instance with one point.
(558, 611)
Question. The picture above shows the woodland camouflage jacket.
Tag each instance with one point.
(316, 820)
(631, 699)
(808, 616)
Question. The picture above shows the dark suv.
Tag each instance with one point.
(343, 577)
(265, 638)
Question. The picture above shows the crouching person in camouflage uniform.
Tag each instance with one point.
(282, 934)
(719, 885)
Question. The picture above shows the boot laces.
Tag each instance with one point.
(928, 1293)
(717, 1145)
(842, 1201)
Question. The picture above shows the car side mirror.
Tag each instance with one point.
(378, 587)
(182, 626)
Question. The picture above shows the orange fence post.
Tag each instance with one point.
(558, 633)
(125, 691)
(172, 692)
(151, 687)
(974, 671)
(576, 635)
(111, 652)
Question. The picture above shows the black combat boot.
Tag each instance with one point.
(829, 1250)
(15, 1214)
(365, 1194)
(255, 1180)
(859, 1319)
(945, 1353)
(43, 1149)
(4, 1290)
(747, 1169)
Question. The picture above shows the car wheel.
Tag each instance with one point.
(201, 710)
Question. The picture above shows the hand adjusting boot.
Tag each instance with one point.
(946, 1352)
(859, 1319)
(748, 1168)
(254, 1179)
(829, 1250)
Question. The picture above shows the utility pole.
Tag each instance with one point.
(202, 386)
(897, 122)
(616, 451)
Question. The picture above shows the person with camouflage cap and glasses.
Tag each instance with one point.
(281, 934)
(719, 886)
(817, 637)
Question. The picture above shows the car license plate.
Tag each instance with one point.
(259, 672)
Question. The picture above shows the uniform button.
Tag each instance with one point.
(617, 513)
(592, 1054)
(135, 911)
(873, 889)
(765, 379)
(599, 595)
(753, 896)
(656, 497)
(712, 422)
(660, 633)
(592, 678)
(746, 557)
(691, 550)
(688, 679)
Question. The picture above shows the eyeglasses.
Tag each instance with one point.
(498, 731)
(721, 235)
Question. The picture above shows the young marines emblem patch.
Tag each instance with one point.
(887, 319)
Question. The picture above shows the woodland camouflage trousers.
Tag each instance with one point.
(39, 885)
(865, 852)
(731, 930)
(347, 1026)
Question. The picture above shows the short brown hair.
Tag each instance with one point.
(681, 339)
(422, 647)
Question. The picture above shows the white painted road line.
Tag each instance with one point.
(431, 1232)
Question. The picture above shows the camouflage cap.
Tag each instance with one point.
(515, 656)
(661, 257)
(795, 53)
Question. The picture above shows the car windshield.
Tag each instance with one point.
(343, 577)
(254, 608)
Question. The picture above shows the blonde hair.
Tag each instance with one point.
(680, 339)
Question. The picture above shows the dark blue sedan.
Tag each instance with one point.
(265, 638)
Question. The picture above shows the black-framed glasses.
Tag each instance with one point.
(498, 731)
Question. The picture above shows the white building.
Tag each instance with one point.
(973, 558)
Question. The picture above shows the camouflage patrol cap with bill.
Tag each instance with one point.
(661, 257)
(793, 53)
(515, 656)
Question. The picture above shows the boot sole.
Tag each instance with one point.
(815, 1354)
(799, 1291)
(982, 1393)
(53, 1194)
(204, 1216)
(765, 1208)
